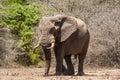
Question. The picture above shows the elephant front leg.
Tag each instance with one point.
(59, 67)
(64, 70)
(48, 60)
(59, 61)
(69, 65)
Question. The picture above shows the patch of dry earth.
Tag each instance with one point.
(37, 74)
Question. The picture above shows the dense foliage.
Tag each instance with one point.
(21, 17)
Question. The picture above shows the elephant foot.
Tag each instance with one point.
(65, 71)
(58, 74)
(71, 73)
(81, 73)
(45, 74)
(68, 72)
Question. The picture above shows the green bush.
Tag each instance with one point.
(11, 2)
(21, 18)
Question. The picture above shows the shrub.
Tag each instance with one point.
(21, 18)
(103, 21)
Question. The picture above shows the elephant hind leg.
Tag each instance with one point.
(69, 65)
(80, 65)
(81, 57)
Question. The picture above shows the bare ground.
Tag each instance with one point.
(37, 74)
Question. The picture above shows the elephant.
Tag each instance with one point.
(67, 36)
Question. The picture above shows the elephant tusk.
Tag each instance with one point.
(52, 45)
(36, 46)
(38, 43)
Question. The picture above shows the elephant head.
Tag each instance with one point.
(58, 27)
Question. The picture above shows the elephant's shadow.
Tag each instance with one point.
(87, 75)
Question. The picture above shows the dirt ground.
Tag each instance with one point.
(37, 74)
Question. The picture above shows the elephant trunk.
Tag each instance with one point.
(52, 45)
(39, 42)
(48, 60)
(47, 67)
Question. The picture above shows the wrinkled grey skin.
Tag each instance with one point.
(67, 36)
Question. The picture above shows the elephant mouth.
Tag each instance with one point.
(49, 46)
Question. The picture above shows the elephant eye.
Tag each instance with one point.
(57, 23)
(52, 30)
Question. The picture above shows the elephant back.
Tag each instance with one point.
(81, 26)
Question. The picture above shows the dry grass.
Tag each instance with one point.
(103, 20)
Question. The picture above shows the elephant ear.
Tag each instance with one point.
(68, 27)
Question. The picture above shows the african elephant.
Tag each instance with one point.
(68, 36)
